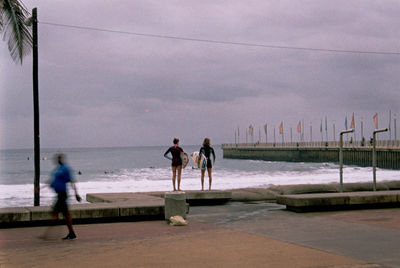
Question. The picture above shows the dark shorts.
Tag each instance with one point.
(61, 203)
(209, 163)
(176, 163)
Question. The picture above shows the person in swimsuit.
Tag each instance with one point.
(176, 164)
(207, 150)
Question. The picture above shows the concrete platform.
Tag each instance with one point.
(340, 201)
(214, 197)
(109, 207)
(81, 213)
(112, 207)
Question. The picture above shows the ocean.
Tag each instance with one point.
(143, 169)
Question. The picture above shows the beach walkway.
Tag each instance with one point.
(249, 231)
(237, 234)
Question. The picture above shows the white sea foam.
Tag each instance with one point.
(159, 179)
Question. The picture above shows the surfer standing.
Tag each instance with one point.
(176, 164)
(207, 150)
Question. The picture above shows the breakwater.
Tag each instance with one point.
(387, 152)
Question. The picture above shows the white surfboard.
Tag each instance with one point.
(185, 159)
(202, 163)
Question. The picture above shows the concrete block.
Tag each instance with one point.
(313, 200)
(14, 214)
(175, 205)
(208, 195)
(97, 210)
(130, 210)
(372, 198)
(40, 213)
(253, 194)
(392, 185)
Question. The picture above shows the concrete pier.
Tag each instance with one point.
(388, 154)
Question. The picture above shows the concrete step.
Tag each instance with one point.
(108, 207)
(340, 201)
(82, 213)
(213, 197)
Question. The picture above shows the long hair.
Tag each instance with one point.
(206, 142)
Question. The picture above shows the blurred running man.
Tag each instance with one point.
(60, 176)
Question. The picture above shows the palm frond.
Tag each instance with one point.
(15, 29)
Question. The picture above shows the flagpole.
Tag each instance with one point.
(291, 135)
(354, 134)
(334, 131)
(326, 127)
(322, 133)
(395, 128)
(362, 129)
(390, 122)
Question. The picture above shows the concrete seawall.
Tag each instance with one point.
(112, 207)
(361, 156)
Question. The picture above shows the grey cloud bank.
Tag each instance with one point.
(95, 86)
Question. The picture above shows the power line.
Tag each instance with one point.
(221, 42)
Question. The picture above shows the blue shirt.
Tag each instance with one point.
(61, 176)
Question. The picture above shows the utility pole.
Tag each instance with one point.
(35, 73)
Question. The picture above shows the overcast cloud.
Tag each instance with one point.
(112, 89)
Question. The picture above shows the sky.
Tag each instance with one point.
(127, 87)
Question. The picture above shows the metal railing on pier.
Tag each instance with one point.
(354, 153)
(395, 144)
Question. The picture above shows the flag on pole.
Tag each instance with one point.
(326, 123)
(251, 130)
(352, 124)
(320, 127)
(375, 120)
(281, 128)
(299, 127)
(266, 129)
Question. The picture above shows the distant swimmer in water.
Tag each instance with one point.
(176, 164)
(207, 150)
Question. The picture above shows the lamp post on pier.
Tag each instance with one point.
(341, 156)
(374, 154)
